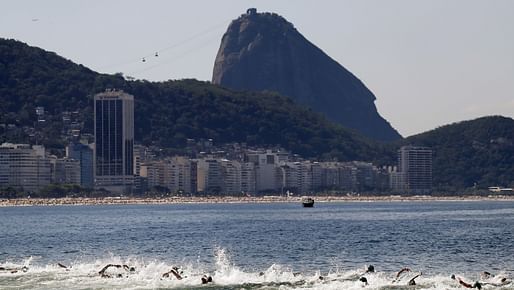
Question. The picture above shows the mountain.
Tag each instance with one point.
(166, 113)
(479, 151)
(263, 51)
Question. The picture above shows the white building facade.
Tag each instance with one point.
(24, 167)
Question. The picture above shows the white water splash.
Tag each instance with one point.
(226, 275)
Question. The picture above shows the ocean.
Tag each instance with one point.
(258, 246)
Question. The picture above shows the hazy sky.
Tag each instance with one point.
(429, 63)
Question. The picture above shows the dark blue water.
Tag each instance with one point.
(436, 238)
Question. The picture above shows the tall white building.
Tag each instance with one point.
(267, 168)
(114, 141)
(248, 177)
(415, 164)
(176, 174)
(316, 176)
(24, 167)
(231, 174)
(365, 175)
(186, 177)
(300, 177)
(397, 181)
(209, 176)
(339, 175)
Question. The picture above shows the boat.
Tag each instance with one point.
(307, 201)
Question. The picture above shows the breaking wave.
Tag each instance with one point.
(84, 274)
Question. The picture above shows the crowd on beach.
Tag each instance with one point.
(230, 199)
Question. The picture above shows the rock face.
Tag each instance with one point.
(263, 51)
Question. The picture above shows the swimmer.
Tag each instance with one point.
(351, 277)
(486, 275)
(502, 282)
(63, 266)
(400, 273)
(412, 281)
(125, 267)
(369, 269)
(467, 285)
(15, 270)
(493, 280)
(364, 280)
(206, 279)
(175, 272)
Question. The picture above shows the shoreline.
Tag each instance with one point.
(68, 201)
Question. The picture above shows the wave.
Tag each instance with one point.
(148, 274)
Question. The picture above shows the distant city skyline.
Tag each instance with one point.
(429, 63)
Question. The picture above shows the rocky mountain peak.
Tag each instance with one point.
(263, 51)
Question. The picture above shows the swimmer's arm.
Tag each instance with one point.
(467, 285)
(105, 268)
(401, 272)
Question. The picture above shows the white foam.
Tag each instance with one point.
(226, 275)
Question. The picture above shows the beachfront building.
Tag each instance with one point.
(315, 172)
(415, 163)
(300, 177)
(138, 158)
(114, 141)
(209, 176)
(24, 167)
(231, 175)
(153, 172)
(329, 175)
(84, 154)
(66, 171)
(267, 168)
(364, 175)
(296, 177)
(176, 174)
(397, 181)
(341, 176)
(248, 177)
(186, 179)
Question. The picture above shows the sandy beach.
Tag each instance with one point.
(232, 199)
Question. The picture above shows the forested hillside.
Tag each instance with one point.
(479, 151)
(166, 112)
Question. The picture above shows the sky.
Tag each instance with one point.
(429, 63)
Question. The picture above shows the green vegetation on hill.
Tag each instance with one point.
(166, 113)
(479, 151)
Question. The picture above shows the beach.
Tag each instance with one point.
(234, 199)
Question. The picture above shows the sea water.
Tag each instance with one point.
(257, 246)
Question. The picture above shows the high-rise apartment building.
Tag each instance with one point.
(231, 174)
(24, 167)
(299, 177)
(248, 177)
(415, 164)
(84, 154)
(209, 176)
(114, 141)
(66, 171)
(267, 173)
(176, 174)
